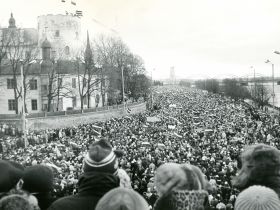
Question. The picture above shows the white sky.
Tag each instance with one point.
(200, 38)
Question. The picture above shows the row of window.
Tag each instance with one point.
(33, 83)
(12, 104)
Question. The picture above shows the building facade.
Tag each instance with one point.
(52, 80)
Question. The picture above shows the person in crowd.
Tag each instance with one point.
(260, 166)
(122, 198)
(257, 197)
(100, 176)
(38, 180)
(188, 191)
(11, 174)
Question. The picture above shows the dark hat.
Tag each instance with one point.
(10, 174)
(260, 166)
(38, 179)
(122, 199)
(101, 158)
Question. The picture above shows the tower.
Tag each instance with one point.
(12, 22)
(64, 34)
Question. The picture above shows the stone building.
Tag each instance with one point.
(52, 70)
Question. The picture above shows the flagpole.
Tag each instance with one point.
(23, 105)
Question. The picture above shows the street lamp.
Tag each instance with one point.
(273, 94)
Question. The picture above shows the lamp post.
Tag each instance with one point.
(273, 94)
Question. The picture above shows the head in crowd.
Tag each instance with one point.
(101, 158)
(188, 191)
(10, 175)
(124, 178)
(257, 197)
(260, 166)
(122, 199)
(17, 202)
(38, 179)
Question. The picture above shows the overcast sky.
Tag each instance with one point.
(200, 38)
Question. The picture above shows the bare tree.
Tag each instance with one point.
(57, 88)
(260, 94)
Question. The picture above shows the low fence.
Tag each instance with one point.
(68, 112)
(51, 120)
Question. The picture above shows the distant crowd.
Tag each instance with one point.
(191, 150)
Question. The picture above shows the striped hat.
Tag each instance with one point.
(257, 197)
(101, 158)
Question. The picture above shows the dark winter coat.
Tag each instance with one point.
(91, 187)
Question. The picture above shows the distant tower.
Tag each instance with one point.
(64, 34)
(88, 52)
(12, 22)
(172, 77)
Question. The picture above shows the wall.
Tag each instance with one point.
(53, 122)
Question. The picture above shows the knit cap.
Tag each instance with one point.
(257, 197)
(38, 179)
(101, 158)
(122, 199)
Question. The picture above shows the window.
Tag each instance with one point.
(57, 33)
(33, 84)
(59, 82)
(74, 101)
(67, 50)
(73, 82)
(10, 83)
(12, 104)
(34, 104)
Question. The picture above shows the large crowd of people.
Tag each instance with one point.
(199, 134)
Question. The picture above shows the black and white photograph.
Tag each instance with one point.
(139, 105)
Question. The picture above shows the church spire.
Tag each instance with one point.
(88, 51)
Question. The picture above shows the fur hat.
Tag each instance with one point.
(38, 179)
(10, 174)
(257, 197)
(122, 198)
(260, 166)
(101, 158)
